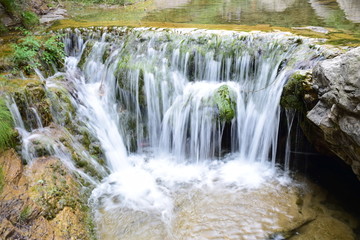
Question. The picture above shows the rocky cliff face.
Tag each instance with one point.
(40, 201)
(333, 124)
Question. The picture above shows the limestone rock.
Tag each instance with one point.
(53, 15)
(41, 201)
(334, 122)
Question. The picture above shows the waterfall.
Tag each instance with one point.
(175, 112)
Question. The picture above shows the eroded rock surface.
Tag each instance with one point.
(335, 120)
(40, 201)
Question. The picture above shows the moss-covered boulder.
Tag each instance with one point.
(299, 93)
(225, 103)
(86, 52)
(33, 98)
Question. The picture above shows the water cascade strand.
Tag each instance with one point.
(161, 89)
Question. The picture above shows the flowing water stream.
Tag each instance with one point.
(187, 121)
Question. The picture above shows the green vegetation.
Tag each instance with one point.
(19, 11)
(6, 127)
(29, 19)
(25, 214)
(293, 92)
(10, 6)
(298, 93)
(34, 52)
(225, 104)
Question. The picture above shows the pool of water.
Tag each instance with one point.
(339, 14)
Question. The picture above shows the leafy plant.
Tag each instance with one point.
(6, 127)
(32, 52)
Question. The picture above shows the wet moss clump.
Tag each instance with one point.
(86, 52)
(225, 103)
(298, 93)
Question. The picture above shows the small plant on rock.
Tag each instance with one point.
(34, 52)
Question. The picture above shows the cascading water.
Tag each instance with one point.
(188, 123)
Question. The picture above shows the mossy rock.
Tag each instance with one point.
(36, 95)
(9, 6)
(298, 93)
(33, 95)
(86, 52)
(224, 100)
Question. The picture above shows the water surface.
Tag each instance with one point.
(339, 14)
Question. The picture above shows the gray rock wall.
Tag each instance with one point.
(333, 125)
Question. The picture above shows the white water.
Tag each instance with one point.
(149, 97)
(165, 83)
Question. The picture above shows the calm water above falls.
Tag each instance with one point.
(339, 14)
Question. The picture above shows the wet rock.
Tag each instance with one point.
(333, 123)
(41, 201)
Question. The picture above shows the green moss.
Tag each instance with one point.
(292, 95)
(86, 53)
(36, 95)
(7, 132)
(225, 103)
(29, 19)
(25, 214)
(344, 42)
(9, 6)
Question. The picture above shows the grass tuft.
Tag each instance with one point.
(6, 127)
